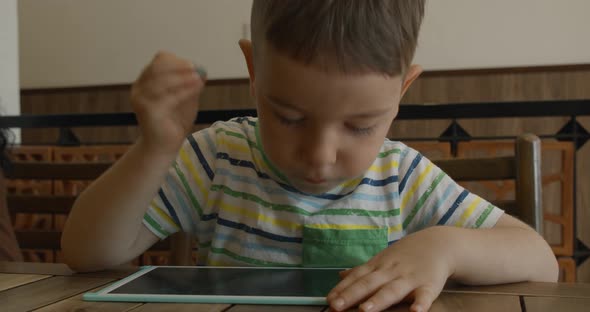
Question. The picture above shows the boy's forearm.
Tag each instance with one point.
(499, 255)
(107, 216)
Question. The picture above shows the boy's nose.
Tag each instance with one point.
(319, 152)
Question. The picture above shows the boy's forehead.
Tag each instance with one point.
(294, 85)
(264, 54)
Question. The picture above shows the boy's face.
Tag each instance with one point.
(320, 128)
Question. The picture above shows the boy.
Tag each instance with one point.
(312, 181)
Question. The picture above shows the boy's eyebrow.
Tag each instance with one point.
(372, 114)
(280, 102)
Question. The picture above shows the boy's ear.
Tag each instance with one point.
(413, 72)
(246, 46)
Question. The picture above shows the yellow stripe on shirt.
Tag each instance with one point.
(235, 146)
(416, 185)
(351, 183)
(384, 168)
(193, 171)
(284, 224)
(468, 212)
(164, 215)
(321, 226)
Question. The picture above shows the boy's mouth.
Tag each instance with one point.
(315, 180)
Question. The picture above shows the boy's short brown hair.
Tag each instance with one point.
(357, 35)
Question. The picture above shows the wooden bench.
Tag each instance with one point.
(177, 244)
(524, 168)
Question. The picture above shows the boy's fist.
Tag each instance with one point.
(165, 100)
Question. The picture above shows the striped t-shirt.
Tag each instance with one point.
(223, 189)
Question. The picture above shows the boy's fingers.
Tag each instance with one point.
(344, 273)
(165, 62)
(359, 290)
(423, 298)
(168, 84)
(390, 294)
(350, 278)
(183, 94)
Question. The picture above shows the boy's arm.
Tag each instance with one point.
(105, 227)
(474, 243)
(509, 252)
(419, 264)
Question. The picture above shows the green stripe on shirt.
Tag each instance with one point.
(387, 153)
(484, 215)
(252, 144)
(188, 190)
(423, 199)
(155, 225)
(223, 251)
(300, 211)
(357, 212)
(258, 200)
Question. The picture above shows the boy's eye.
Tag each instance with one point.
(362, 130)
(288, 121)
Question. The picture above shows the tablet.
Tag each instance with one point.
(203, 284)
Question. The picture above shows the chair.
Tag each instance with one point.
(524, 167)
(179, 244)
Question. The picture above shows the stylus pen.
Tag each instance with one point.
(201, 71)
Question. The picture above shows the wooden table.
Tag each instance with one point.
(53, 287)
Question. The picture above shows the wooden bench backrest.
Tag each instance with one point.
(524, 168)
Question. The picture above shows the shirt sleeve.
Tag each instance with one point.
(429, 197)
(181, 202)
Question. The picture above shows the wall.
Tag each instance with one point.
(9, 86)
(68, 43)
(460, 34)
(92, 42)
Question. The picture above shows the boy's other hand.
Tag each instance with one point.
(413, 268)
(165, 99)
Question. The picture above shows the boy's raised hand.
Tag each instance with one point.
(165, 100)
(415, 267)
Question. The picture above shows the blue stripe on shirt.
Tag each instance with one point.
(250, 165)
(451, 210)
(201, 157)
(413, 166)
(169, 207)
(259, 232)
(220, 237)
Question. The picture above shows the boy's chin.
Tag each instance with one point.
(314, 189)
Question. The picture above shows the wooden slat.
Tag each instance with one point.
(38, 239)
(47, 291)
(36, 268)
(500, 168)
(8, 281)
(541, 304)
(474, 302)
(62, 171)
(77, 304)
(180, 246)
(529, 181)
(186, 307)
(555, 219)
(161, 245)
(40, 203)
(118, 272)
(507, 205)
(272, 308)
(569, 290)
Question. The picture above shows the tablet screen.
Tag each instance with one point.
(219, 281)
